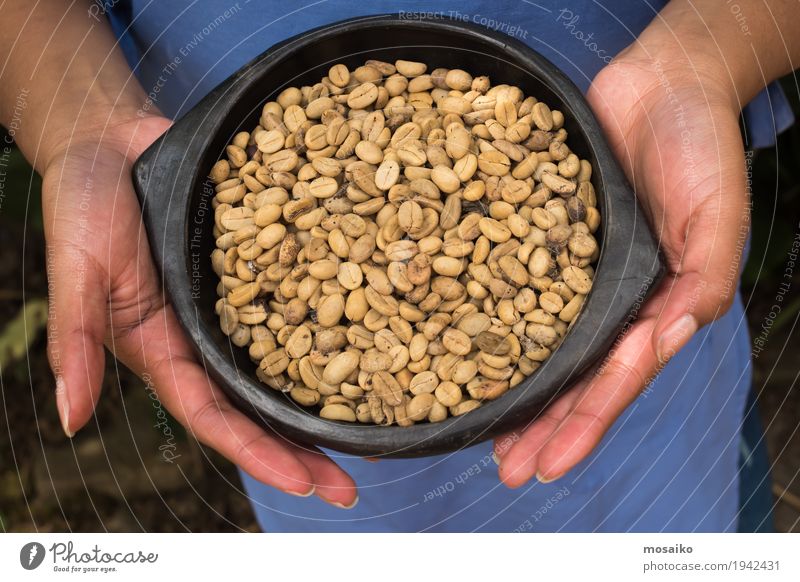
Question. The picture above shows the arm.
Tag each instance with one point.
(82, 128)
(66, 66)
(670, 106)
(742, 52)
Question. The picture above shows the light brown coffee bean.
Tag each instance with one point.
(458, 80)
(424, 383)
(410, 217)
(330, 310)
(369, 152)
(558, 184)
(274, 363)
(323, 269)
(544, 335)
(513, 271)
(401, 250)
(577, 280)
(449, 266)
(542, 116)
(464, 407)
(362, 249)
(362, 96)
(582, 244)
(494, 230)
(551, 302)
(397, 272)
(387, 388)
(304, 396)
(445, 179)
(410, 68)
(271, 235)
(375, 361)
(447, 288)
(384, 304)
(350, 276)
(494, 163)
(419, 406)
(469, 228)
(463, 373)
(339, 75)
(299, 343)
(243, 294)
(341, 366)
(487, 389)
(505, 112)
(323, 187)
(228, 319)
(387, 174)
(457, 342)
(338, 412)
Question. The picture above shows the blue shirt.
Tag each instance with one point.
(669, 463)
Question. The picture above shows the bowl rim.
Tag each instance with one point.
(166, 177)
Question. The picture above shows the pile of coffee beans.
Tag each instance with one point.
(396, 245)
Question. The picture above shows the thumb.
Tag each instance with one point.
(77, 292)
(703, 285)
(76, 329)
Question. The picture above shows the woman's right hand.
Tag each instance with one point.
(104, 289)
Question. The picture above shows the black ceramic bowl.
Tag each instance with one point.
(170, 179)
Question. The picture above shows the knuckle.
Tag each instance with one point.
(622, 373)
(202, 421)
(243, 447)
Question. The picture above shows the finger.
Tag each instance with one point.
(708, 273)
(611, 389)
(190, 395)
(560, 406)
(334, 485)
(158, 347)
(519, 461)
(77, 312)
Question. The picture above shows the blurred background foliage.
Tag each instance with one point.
(108, 478)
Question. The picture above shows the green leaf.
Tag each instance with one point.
(22, 187)
(22, 331)
(786, 315)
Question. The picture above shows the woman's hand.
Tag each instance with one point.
(674, 127)
(105, 290)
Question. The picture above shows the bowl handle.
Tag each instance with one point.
(151, 181)
(155, 175)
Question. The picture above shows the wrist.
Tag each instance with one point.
(76, 83)
(94, 123)
(700, 43)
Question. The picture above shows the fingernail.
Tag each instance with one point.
(675, 337)
(343, 506)
(542, 479)
(309, 493)
(495, 458)
(62, 403)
